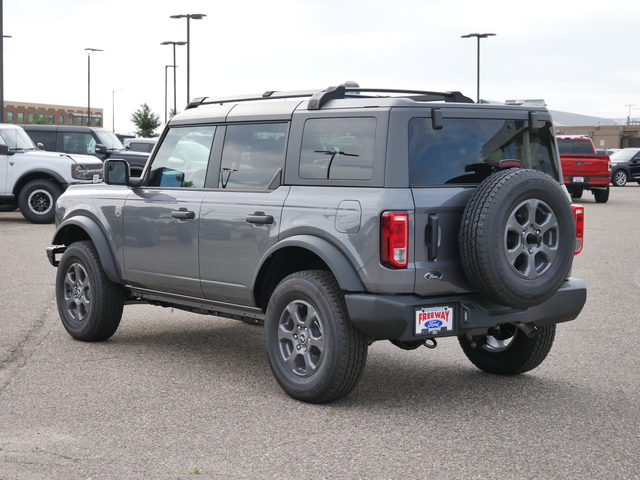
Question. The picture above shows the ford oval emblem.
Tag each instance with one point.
(433, 276)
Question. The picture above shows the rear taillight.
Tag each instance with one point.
(395, 239)
(578, 216)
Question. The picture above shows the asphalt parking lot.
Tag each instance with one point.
(174, 394)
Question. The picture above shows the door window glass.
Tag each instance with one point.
(78, 143)
(47, 139)
(182, 158)
(253, 156)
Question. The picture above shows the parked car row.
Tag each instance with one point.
(38, 162)
(32, 179)
(96, 141)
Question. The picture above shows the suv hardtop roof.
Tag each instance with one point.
(63, 128)
(317, 98)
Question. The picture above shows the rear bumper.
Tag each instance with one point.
(392, 316)
(588, 182)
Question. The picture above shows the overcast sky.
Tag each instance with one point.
(579, 56)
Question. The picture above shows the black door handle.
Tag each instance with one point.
(183, 214)
(260, 218)
(432, 237)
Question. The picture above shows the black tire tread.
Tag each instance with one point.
(54, 189)
(477, 261)
(109, 297)
(353, 354)
(523, 356)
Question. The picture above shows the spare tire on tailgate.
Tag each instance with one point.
(517, 238)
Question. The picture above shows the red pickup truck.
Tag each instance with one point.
(582, 168)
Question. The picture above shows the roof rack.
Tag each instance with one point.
(319, 97)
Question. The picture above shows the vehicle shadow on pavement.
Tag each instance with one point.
(231, 354)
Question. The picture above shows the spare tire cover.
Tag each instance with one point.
(517, 238)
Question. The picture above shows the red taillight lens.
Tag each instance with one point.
(395, 239)
(578, 216)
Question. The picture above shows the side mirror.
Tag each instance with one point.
(40, 146)
(4, 149)
(116, 172)
(100, 148)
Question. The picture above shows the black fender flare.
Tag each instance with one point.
(28, 176)
(340, 266)
(99, 239)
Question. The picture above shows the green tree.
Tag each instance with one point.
(146, 121)
(39, 118)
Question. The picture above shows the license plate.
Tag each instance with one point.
(578, 179)
(433, 320)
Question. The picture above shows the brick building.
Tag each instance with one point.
(23, 112)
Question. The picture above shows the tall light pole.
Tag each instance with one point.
(629, 116)
(165, 90)
(113, 108)
(2, 37)
(174, 71)
(478, 36)
(189, 16)
(89, 52)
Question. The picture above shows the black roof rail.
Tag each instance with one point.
(268, 95)
(422, 95)
(320, 97)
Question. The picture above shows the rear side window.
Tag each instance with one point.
(141, 147)
(338, 148)
(253, 156)
(465, 148)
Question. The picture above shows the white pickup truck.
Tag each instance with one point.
(32, 179)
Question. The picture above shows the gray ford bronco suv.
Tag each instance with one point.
(336, 218)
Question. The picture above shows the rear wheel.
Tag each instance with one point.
(507, 350)
(315, 352)
(601, 196)
(90, 305)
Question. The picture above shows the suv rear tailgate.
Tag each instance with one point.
(436, 252)
(592, 168)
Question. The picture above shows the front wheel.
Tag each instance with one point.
(37, 200)
(507, 350)
(315, 352)
(90, 305)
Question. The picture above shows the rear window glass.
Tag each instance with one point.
(571, 146)
(464, 149)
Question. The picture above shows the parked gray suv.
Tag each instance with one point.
(337, 218)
